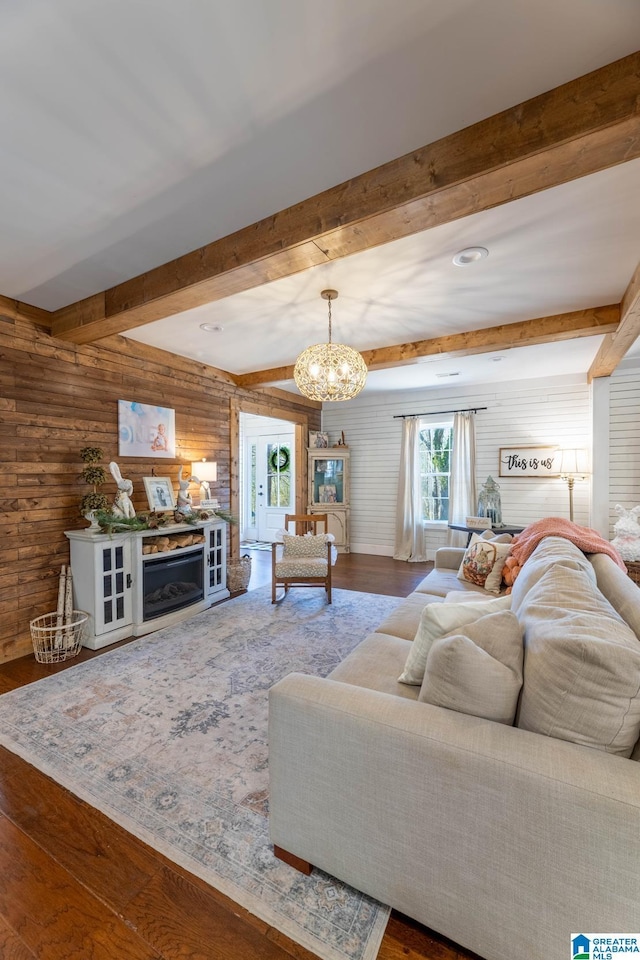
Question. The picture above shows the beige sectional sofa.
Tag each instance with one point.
(507, 839)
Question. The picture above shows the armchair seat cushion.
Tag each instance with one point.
(302, 567)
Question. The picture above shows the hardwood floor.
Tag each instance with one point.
(76, 886)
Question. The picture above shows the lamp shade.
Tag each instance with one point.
(573, 462)
(205, 470)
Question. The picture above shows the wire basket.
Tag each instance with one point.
(238, 574)
(633, 569)
(54, 641)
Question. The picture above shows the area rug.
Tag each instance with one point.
(168, 737)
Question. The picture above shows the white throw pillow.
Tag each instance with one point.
(438, 619)
(307, 546)
(483, 562)
(477, 669)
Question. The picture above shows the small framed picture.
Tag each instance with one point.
(160, 493)
(327, 492)
(318, 440)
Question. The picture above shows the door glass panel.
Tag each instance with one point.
(253, 455)
(278, 475)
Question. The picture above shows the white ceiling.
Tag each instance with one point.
(134, 132)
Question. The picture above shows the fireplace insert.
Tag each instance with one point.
(171, 583)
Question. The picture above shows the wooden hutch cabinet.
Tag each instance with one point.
(329, 490)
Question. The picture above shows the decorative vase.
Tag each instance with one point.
(92, 517)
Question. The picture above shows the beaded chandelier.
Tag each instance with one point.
(330, 371)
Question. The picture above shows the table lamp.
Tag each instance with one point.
(205, 472)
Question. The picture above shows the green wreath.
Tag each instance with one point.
(279, 460)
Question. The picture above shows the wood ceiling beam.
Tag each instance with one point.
(16, 310)
(584, 126)
(525, 333)
(615, 345)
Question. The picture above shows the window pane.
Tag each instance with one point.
(435, 465)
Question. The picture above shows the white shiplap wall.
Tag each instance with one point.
(624, 439)
(538, 412)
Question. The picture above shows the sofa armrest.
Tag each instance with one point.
(426, 810)
(449, 558)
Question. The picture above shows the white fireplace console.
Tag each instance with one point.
(127, 590)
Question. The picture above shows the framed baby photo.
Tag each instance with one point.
(159, 493)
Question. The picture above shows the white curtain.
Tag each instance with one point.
(410, 543)
(462, 481)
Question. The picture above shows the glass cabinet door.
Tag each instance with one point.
(327, 483)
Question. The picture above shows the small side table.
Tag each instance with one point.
(633, 570)
(471, 530)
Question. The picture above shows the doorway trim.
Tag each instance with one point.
(265, 408)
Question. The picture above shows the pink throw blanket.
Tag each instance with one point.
(586, 539)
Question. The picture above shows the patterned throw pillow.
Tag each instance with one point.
(483, 562)
(307, 546)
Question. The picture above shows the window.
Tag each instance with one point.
(436, 441)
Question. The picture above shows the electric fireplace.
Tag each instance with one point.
(170, 583)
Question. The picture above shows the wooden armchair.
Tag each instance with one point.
(301, 561)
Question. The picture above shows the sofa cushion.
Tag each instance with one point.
(582, 664)
(552, 551)
(477, 669)
(405, 619)
(483, 562)
(621, 592)
(438, 619)
(441, 582)
(374, 664)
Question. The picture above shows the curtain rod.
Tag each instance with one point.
(436, 413)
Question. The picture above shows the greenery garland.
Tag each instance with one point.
(112, 523)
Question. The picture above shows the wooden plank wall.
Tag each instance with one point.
(56, 398)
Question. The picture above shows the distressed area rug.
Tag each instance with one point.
(168, 737)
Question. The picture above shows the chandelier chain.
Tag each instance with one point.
(329, 299)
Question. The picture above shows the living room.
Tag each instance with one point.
(109, 312)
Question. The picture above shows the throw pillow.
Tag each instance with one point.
(307, 546)
(438, 619)
(477, 669)
(483, 562)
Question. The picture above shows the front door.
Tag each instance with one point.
(274, 484)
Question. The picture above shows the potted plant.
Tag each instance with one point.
(95, 475)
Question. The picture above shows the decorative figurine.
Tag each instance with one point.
(627, 533)
(122, 505)
(183, 503)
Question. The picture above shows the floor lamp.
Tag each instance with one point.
(572, 468)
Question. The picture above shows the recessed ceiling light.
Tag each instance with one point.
(469, 255)
(211, 327)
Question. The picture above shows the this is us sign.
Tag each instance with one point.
(529, 461)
